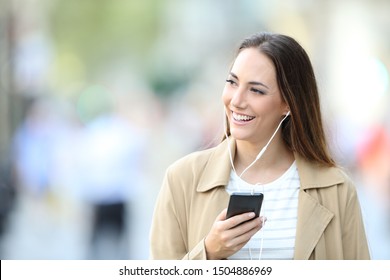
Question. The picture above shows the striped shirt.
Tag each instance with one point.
(276, 239)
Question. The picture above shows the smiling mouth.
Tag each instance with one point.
(241, 118)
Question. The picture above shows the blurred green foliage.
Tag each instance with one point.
(93, 34)
(98, 31)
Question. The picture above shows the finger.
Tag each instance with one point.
(239, 219)
(246, 227)
(244, 238)
(239, 240)
(245, 231)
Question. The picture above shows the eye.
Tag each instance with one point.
(258, 91)
(231, 82)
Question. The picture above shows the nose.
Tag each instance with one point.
(238, 99)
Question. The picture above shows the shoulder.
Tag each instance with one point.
(313, 175)
(204, 169)
(195, 161)
(182, 176)
(332, 187)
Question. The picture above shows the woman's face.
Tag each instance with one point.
(252, 99)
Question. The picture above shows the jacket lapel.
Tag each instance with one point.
(217, 170)
(313, 218)
(312, 221)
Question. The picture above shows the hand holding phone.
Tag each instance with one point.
(239, 203)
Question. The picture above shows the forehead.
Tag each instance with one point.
(252, 64)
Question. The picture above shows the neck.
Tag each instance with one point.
(275, 160)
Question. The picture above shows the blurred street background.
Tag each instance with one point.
(98, 97)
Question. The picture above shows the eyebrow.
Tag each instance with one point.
(251, 83)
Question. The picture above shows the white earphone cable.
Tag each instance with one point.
(250, 165)
(266, 146)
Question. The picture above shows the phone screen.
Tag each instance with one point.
(244, 202)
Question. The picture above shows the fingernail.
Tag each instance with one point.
(251, 215)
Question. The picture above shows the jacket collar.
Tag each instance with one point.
(217, 170)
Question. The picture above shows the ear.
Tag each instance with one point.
(287, 111)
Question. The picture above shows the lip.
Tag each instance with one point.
(241, 119)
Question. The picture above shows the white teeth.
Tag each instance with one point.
(242, 117)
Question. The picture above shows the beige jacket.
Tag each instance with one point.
(193, 193)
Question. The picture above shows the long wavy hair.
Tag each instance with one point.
(303, 130)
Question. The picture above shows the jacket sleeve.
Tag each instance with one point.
(197, 253)
(168, 235)
(355, 245)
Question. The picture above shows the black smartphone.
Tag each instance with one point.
(244, 202)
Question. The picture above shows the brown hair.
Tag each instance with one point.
(303, 130)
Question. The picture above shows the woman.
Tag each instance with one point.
(274, 144)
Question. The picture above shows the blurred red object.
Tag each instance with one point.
(373, 161)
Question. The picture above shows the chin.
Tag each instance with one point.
(239, 135)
